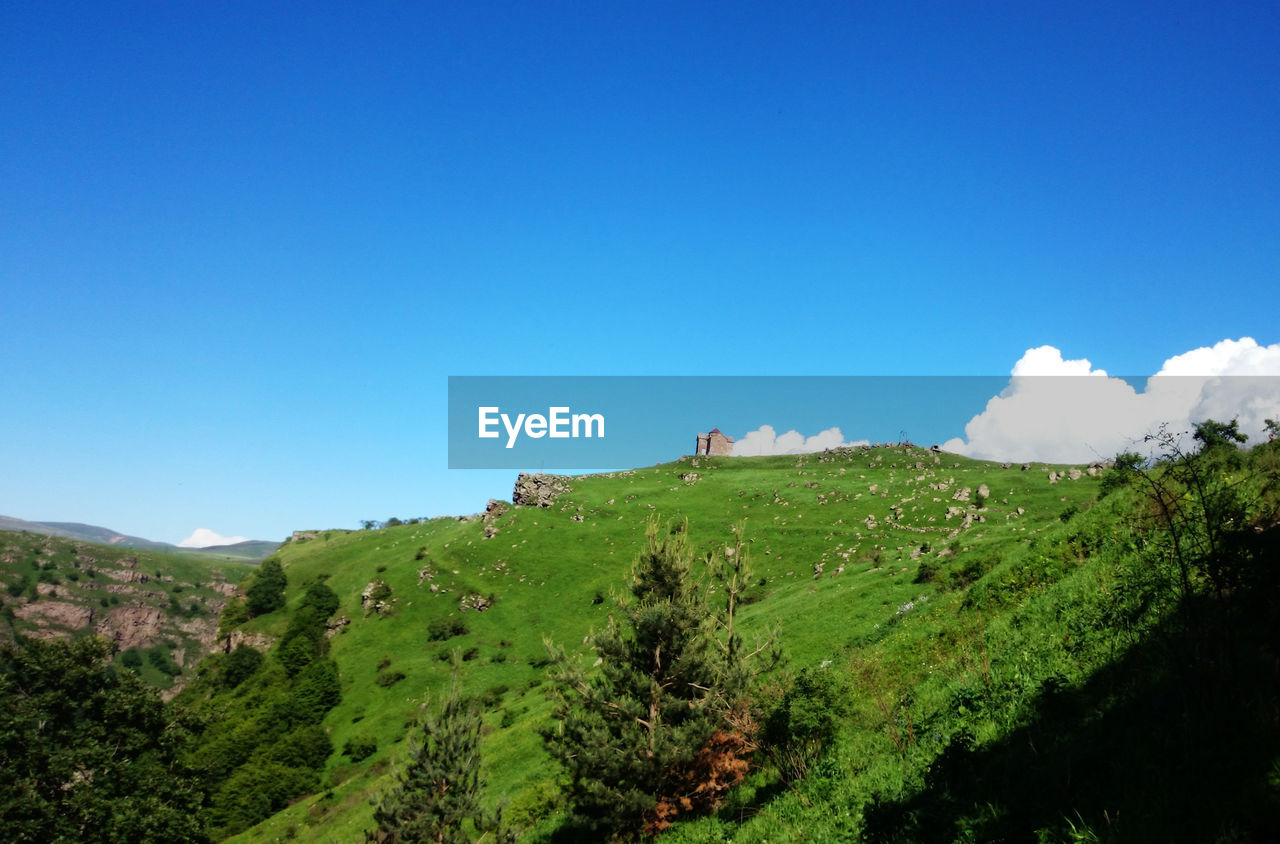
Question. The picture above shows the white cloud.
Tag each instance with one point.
(203, 538)
(765, 440)
(1041, 415)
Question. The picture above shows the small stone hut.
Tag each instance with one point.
(714, 444)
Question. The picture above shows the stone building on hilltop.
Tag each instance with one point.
(715, 444)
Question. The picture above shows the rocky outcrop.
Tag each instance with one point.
(236, 638)
(539, 490)
(57, 613)
(136, 626)
(376, 598)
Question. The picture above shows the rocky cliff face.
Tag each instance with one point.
(151, 601)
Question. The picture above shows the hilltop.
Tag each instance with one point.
(248, 551)
(974, 651)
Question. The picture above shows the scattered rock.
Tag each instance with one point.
(474, 601)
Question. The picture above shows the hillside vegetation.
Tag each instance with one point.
(160, 608)
(872, 644)
(1017, 655)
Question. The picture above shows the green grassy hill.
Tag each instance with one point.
(906, 570)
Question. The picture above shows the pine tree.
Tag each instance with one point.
(634, 736)
(439, 788)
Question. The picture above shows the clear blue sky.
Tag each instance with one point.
(241, 248)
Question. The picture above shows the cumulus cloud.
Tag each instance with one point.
(765, 440)
(203, 538)
(1066, 411)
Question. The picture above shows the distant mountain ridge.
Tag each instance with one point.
(252, 549)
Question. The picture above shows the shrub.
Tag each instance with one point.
(442, 628)
(240, 665)
(800, 726)
(160, 657)
(305, 747)
(387, 679)
(316, 691)
(493, 695)
(360, 747)
(267, 592)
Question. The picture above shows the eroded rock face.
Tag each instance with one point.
(132, 626)
(539, 490)
(58, 613)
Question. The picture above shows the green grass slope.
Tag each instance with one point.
(837, 540)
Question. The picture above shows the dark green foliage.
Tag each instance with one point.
(437, 791)
(240, 665)
(132, 658)
(296, 653)
(360, 746)
(387, 679)
(323, 599)
(255, 792)
(87, 753)
(629, 735)
(316, 691)
(442, 628)
(160, 657)
(305, 747)
(264, 744)
(233, 615)
(267, 592)
(1211, 434)
(304, 640)
(804, 722)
